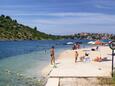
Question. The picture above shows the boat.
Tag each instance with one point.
(91, 42)
(69, 43)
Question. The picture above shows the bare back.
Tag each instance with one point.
(52, 51)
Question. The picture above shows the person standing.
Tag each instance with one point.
(52, 54)
(97, 48)
(78, 46)
(76, 56)
(74, 47)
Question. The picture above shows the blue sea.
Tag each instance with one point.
(21, 62)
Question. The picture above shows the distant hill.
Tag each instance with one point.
(11, 30)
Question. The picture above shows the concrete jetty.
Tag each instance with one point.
(81, 73)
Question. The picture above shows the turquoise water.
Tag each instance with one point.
(21, 62)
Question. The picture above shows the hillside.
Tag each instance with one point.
(11, 30)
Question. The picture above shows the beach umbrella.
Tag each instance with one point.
(98, 42)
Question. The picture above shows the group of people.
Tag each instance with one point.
(76, 46)
(83, 58)
(52, 55)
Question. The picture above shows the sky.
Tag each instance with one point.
(60, 17)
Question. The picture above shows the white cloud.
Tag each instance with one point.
(103, 6)
(78, 18)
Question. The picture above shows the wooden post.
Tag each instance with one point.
(112, 46)
(112, 61)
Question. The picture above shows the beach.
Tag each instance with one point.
(68, 73)
(27, 59)
(22, 62)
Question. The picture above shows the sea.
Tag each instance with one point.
(21, 62)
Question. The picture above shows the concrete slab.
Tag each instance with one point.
(79, 82)
(53, 82)
(67, 67)
(81, 69)
(69, 73)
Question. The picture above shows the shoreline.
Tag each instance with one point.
(61, 56)
(67, 57)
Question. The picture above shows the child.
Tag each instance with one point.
(76, 55)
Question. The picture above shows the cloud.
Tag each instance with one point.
(104, 6)
(65, 15)
(77, 18)
(58, 14)
(64, 18)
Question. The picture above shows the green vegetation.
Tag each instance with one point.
(107, 81)
(11, 30)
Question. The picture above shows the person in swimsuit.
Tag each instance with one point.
(76, 56)
(52, 52)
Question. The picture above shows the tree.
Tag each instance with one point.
(35, 28)
(8, 17)
(2, 15)
(15, 21)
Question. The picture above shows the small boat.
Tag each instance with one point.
(69, 43)
(91, 42)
